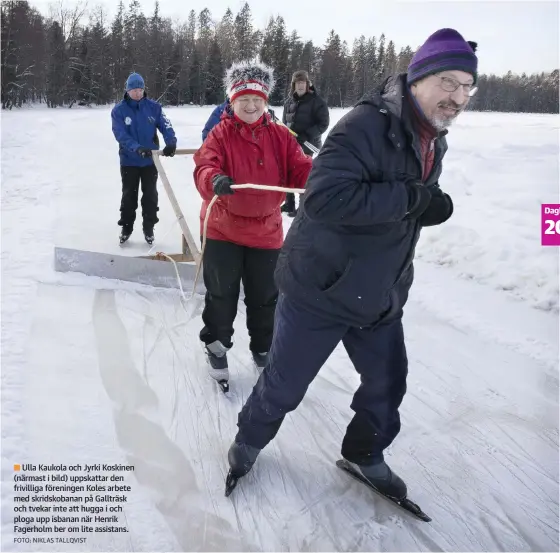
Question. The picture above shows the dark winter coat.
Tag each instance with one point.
(308, 116)
(261, 153)
(135, 124)
(216, 115)
(348, 254)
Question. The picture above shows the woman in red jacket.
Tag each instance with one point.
(244, 233)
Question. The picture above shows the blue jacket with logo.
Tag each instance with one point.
(135, 124)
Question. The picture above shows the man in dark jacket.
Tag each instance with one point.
(306, 114)
(346, 267)
(135, 122)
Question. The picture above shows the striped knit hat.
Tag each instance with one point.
(445, 50)
(249, 78)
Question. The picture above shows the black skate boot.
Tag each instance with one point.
(216, 354)
(149, 235)
(125, 233)
(289, 207)
(241, 459)
(381, 479)
(260, 359)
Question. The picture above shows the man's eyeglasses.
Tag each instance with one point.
(451, 85)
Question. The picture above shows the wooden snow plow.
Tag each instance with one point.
(176, 270)
(161, 269)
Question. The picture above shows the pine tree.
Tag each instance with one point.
(404, 59)
(196, 84)
(63, 60)
(173, 94)
(244, 35)
(308, 58)
(266, 50)
(215, 93)
(295, 46)
(225, 35)
(391, 62)
(119, 71)
(56, 72)
(359, 69)
(331, 65)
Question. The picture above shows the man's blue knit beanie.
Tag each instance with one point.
(134, 80)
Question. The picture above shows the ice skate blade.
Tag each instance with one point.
(405, 504)
(231, 483)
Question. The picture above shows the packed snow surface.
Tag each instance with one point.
(97, 371)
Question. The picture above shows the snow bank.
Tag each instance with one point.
(499, 170)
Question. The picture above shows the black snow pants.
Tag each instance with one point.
(132, 177)
(225, 266)
(302, 344)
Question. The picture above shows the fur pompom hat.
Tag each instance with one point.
(249, 77)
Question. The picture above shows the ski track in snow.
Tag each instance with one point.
(108, 372)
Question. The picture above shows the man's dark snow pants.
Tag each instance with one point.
(302, 343)
(132, 177)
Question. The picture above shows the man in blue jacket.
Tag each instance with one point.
(135, 121)
(214, 118)
(346, 267)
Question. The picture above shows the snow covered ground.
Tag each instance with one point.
(96, 371)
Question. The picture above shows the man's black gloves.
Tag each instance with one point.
(418, 199)
(222, 185)
(144, 152)
(428, 204)
(169, 151)
(439, 209)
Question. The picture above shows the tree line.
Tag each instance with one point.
(77, 57)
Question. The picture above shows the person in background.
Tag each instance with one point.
(346, 268)
(244, 233)
(214, 118)
(135, 122)
(306, 114)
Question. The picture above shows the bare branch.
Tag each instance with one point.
(168, 87)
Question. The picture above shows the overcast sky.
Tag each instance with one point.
(517, 35)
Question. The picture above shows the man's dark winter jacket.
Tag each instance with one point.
(135, 124)
(307, 116)
(348, 254)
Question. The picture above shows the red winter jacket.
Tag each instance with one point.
(427, 135)
(261, 153)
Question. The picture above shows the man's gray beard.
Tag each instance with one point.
(441, 124)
